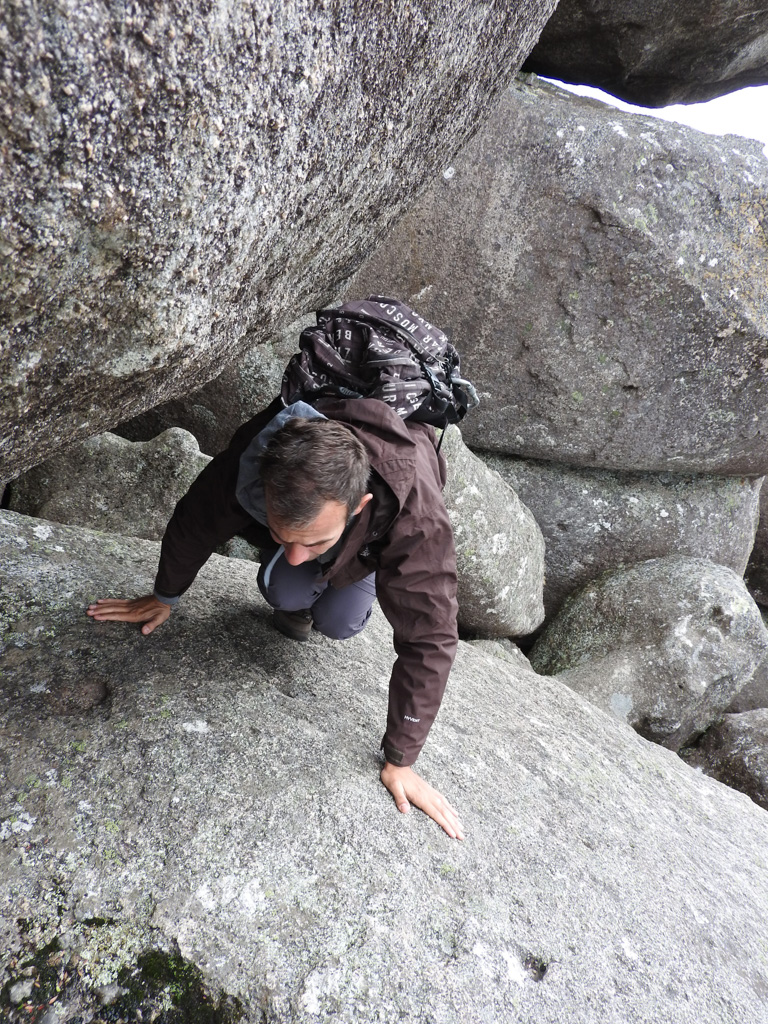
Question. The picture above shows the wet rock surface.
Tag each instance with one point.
(499, 547)
(182, 180)
(735, 752)
(593, 519)
(112, 484)
(612, 308)
(223, 810)
(664, 645)
(657, 53)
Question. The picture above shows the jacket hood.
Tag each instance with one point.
(392, 449)
(250, 489)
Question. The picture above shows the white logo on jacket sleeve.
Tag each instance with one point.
(409, 719)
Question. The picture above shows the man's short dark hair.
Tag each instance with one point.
(309, 462)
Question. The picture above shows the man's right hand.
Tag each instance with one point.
(141, 609)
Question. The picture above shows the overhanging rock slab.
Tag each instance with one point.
(181, 180)
(224, 796)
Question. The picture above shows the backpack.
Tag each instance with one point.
(380, 348)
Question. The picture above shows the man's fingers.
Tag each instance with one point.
(150, 626)
(450, 823)
(438, 808)
(109, 608)
(445, 816)
(402, 801)
(141, 609)
(409, 788)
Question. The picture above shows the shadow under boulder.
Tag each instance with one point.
(735, 752)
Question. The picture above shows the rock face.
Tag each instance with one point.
(603, 275)
(735, 752)
(220, 810)
(664, 645)
(757, 570)
(111, 484)
(180, 180)
(594, 519)
(657, 53)
(499, 548)
(214, 413)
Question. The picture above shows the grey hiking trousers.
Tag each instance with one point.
(338, 614)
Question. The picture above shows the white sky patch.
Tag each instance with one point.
(738, 113)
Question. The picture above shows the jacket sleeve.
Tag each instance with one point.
(208, 515)
(416, 588)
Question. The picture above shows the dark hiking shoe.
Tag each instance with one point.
(296, 625)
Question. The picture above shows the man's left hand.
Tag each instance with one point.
(408, 788)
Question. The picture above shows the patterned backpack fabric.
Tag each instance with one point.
(380, 348)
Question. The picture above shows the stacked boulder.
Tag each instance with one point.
(664, 645)
(499, 548)
(603, 275)
(209, 836)
(108, 483)
(595, 519)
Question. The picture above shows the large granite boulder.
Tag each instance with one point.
(757, 569)
(603, 275)
(596, 519)
(112, 484)
(215, 825)
(735, 752)
(180, 179)
(499, 548)
(664, 645)
(657, 53)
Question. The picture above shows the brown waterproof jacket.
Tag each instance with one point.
(404, 534)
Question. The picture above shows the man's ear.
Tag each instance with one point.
(363, 502)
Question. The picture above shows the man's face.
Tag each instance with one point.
(302, 544)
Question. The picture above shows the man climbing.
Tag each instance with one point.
(344, 499)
